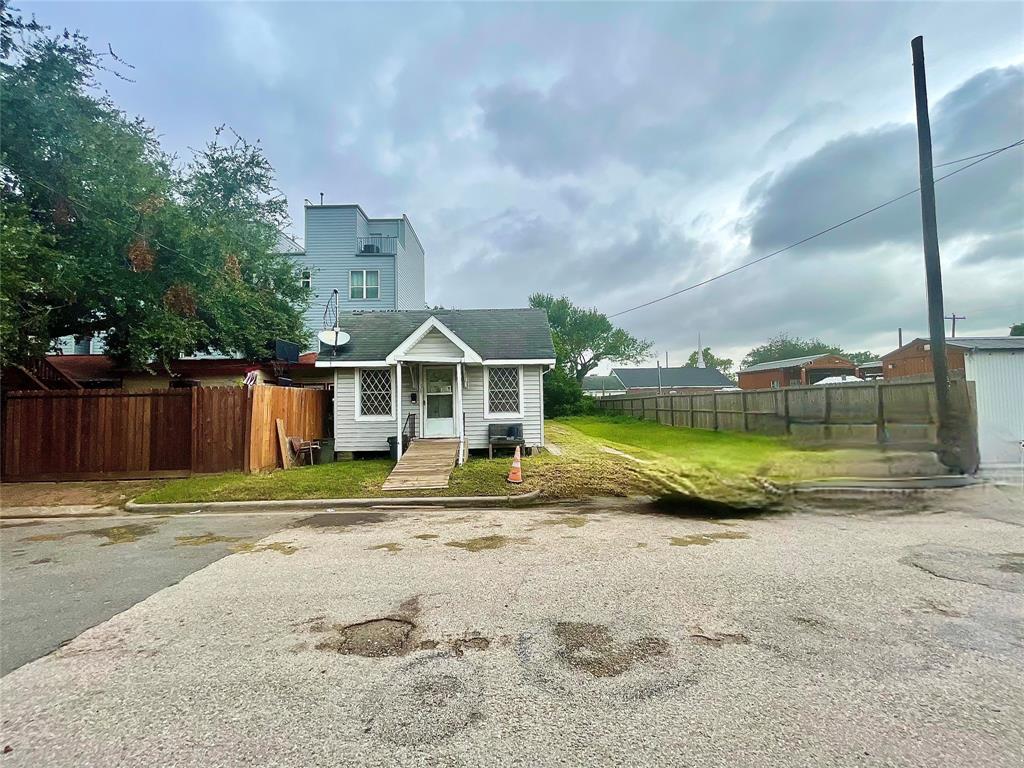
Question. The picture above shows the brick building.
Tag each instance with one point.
(795, 371)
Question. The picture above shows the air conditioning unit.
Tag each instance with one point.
(370, 248)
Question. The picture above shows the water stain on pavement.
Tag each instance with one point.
(392, 547)
(482, 543)
(715, 639)
(571, 521)
(425, 536)
(41, 560)
(249, 548)
(589, 648)
(340, 519)
(704, 539)
(205, 538)
(114, 534)
(4, 524)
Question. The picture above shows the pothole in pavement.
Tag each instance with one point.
(397, 634)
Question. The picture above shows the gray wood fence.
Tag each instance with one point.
(894, 414)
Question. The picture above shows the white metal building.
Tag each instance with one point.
(996, 366)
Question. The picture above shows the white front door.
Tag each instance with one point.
(439, 392)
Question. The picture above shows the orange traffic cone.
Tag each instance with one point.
(515, 475)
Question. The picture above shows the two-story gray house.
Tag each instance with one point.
(375, 264)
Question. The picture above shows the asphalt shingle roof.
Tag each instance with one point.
(494, 334)
(672, 377)
(602, 384)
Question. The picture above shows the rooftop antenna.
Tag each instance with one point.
(321, 198)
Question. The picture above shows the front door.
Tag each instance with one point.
(440, 395)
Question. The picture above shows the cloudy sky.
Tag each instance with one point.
(616, 153)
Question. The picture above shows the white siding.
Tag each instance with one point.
(531, 398)
(436, 345)
(353, 435)
(998, 377)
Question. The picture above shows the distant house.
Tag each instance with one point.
(603, 386)
(795, 371)
(671, 381)
(870, 370)
(915, 359)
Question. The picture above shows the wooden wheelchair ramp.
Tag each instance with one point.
(426, 464)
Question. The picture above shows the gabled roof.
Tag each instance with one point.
(791, 362)
(685, 376)
(285, 244)
(602, 384)
(987, 342)
(494, 334)
(86, 367)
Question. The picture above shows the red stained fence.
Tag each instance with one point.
(115, 434)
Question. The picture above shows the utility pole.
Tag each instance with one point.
(954, 317)
(930, 233)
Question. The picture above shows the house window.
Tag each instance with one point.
(503, 391)
(374, 392)
(306, 280)
(364, 284)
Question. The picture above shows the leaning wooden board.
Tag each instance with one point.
(282, 443)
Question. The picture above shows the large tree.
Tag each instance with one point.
(723, 364)
(109, 235)
(783, 346)
(1017, 329)
(583, 338)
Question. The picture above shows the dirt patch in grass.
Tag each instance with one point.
(705, 539)
(249, 548)
(589, 648)
(482, 543)
(106, 493)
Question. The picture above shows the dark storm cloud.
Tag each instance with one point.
(860, 170)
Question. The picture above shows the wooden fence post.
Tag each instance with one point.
(689, 399)
(714, 408)
(194, 457)
(879, 415)
(247, 431)
(743, 405)
(785, 409)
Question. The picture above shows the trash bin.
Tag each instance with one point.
(393, 447)
(326, 455)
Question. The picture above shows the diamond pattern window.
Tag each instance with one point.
(503, 390)
(375, 392)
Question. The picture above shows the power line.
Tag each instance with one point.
(972, 157)
(982, 158)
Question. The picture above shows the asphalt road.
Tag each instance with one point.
(541, 637)
(60, 577)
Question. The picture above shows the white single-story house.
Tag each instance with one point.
(438, 374)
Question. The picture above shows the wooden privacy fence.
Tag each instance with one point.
(118, 434)
(897, 414)
(302, 410)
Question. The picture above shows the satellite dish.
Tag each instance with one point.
(333, 337)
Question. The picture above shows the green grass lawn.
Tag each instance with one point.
(651, 459)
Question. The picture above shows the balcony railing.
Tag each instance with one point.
(377, 245)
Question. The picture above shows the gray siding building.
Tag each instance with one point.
(374, 264)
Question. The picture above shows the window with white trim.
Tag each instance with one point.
(364, 284)
(374, 392)
(306, 280)
(503, 394)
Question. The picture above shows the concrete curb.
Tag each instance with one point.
(322, 504)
